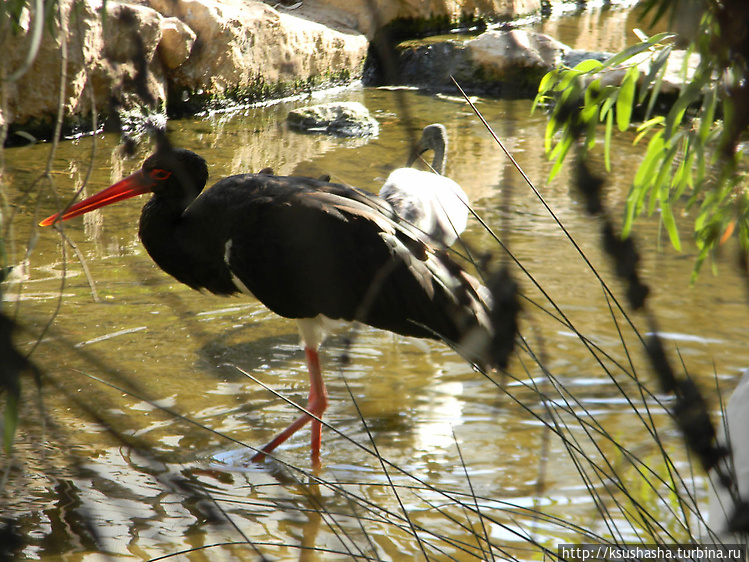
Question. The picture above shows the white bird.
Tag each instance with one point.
(434, 204)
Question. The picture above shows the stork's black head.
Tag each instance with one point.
(173, 173)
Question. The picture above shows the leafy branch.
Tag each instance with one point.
(693, 153)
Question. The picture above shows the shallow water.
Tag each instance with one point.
(138, 447)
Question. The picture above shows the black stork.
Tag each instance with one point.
(428, 200)
(310, 250)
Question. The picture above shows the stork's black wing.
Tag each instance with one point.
(304, 247)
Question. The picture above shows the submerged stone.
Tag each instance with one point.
(345, 119)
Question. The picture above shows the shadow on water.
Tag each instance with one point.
(139, 446)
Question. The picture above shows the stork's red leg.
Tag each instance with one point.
(318, 401)
(316, 405)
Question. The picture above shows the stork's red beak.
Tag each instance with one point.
(137, 183)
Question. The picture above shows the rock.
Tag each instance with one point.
(430, 65)
(505, 63)
(248, 50)
(130, 32)
(215, 48)
(110, 67)
(512, 63)
(502, 55)
(186, 54)
(574, 57)
(126, 67)
(673, 79)
(345, 119)
(357, 14)
(176, 43)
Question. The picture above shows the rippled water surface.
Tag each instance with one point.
(137, 444)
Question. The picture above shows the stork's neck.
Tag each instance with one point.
(159, 221)
(440, 158)
(186, 249)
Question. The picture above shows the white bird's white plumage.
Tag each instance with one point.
(431, 202)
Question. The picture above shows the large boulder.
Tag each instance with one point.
(357, 14)
(505, 63)
(176, 43)
(249, 50)
(140, 58)
(111, 63)
(500, 55)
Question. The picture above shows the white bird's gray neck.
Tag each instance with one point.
(440, 158)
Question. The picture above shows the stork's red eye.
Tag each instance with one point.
(159, 175)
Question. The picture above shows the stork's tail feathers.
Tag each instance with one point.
(504, 309)
(486, 318)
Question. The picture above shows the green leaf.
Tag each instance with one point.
(661, 182)
(590, 133)
(683, 175)
(685, 63)
(607, 141)
(544, 86)
(646, 127)
(559, 153)
(589, 112)
(690, 95)
(551, 129)
(629, 213)
(698, 265)
(701, 166)
(654, 92)
(699, 223)
(588, 65)
(651, 123)
(656, 67)
(567, 76)
(632, 50)
(611, 96)
(546, 82)
(707, 114)
(625, 99)
(538, 101)
(653, 199)
(591, 100)
(573, 91)
(670, 224)
(652, 158)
